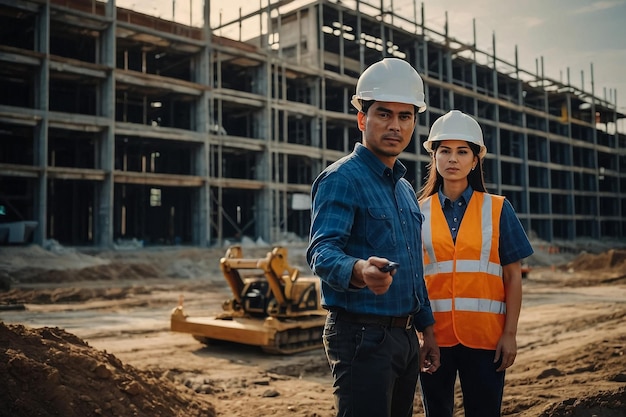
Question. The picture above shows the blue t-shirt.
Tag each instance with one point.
(514, 244)
(361, 208)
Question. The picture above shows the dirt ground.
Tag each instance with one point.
(86, 333)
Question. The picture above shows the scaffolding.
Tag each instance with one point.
(117, 125)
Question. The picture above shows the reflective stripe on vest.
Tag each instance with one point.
(478, 305)
(464, 266)
(453, 284)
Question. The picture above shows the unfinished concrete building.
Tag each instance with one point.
(117, 125)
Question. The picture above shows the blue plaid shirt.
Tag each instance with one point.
(513, 246)
(361, 208)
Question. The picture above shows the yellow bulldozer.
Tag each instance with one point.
(272, 307)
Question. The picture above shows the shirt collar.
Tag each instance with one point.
(376, 164)
(465, 196)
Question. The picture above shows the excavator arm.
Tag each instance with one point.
(279, 275)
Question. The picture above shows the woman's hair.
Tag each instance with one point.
(434, 180)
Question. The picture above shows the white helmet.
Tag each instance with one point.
(455, 125)
(393, 80)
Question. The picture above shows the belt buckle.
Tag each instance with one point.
(409, 322)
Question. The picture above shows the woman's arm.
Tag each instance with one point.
(507, 346)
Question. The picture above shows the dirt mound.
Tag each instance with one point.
(613, 259)
(67, 295)
(91, 273)
(604, 404)
(49, 372)
(14, 258)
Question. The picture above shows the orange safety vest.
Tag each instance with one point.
(464, 280)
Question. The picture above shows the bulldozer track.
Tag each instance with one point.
(296, 340)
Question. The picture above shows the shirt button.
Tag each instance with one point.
(454, 229)
(455, 220)
(460, 204)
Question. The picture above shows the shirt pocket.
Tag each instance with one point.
(418, 217)
(418, 222)
(379, 228)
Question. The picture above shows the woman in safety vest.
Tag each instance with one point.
(473, 246)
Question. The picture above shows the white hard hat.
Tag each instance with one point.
(393, 80)
(456, 125)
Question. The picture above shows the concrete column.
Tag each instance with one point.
(41, 132)
(264, 204)
(201, 215)
(105, 198)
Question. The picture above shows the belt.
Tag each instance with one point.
(404, 322)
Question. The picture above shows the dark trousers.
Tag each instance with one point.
(375, 368)
(481, 385)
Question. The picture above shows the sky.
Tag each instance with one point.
(566, 34)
